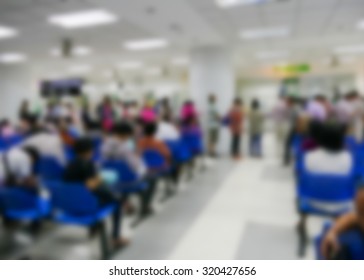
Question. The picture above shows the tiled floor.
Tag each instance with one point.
(231, 210)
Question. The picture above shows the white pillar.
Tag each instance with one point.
(16, 84)
(212, 71)
(360, 80)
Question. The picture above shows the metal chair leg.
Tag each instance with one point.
(105, 252)
(302, 235)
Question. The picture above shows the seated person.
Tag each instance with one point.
(149, 142)
(6, 129)
(167, 131)
(120, 145)
(330, 156)
(46, 143)
(64, 129)
(83, 171)
(17, 168)
(348, 229)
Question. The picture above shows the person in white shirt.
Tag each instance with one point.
(330, 157)
(17, 168)
(316, 108)
(166, 130)
(47, 144)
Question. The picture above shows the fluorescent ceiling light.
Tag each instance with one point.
(81, 51)
(80, 69)
(349, 49)
(262, 33)
(146, 44)
(6, 32)
(232, 3)
(272, 55)
(130, 65)
(83, 19)
(180, 61)
(11, 58)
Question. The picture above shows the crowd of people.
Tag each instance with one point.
(126, 130)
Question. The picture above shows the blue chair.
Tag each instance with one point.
(74, 204)
(334, 189)
(23, 205)
(194, 142)
(128, 179)
(49, 168)
(157, 165)
(180, 152)
(351, 239)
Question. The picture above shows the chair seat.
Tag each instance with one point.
(306, 206)
(42, 210)
(86, 220)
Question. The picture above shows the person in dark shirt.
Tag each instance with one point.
(83, 171)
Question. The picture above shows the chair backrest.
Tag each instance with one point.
(154, 159)
(49, 167)
(125, 172)
(18, 199)
(72, 199)
(327, 188)
(180, 150)
(193, 141)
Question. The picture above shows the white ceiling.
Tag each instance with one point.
(317, 27)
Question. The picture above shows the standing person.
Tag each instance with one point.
(236, 120)
(256, 120)
(317, 108)
(213, 123)
(106, 114)
(165, 109)
(293, 115)
(24, 111)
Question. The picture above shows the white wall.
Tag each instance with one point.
(16, 84)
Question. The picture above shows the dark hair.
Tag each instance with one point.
(150, 129)
(329, 136)
(122, 129)
(255, 104)
(82, 146)
(32, 152)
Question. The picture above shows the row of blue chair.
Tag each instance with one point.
(63, 207)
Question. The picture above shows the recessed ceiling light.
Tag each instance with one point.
(83, 19)
(272, 54)
(11, 58)
(232, 3)
(262, 33)
(6, 32)
(81, 51)
(146, 44)
(180, 61)
(130, 65)
(349, 49)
